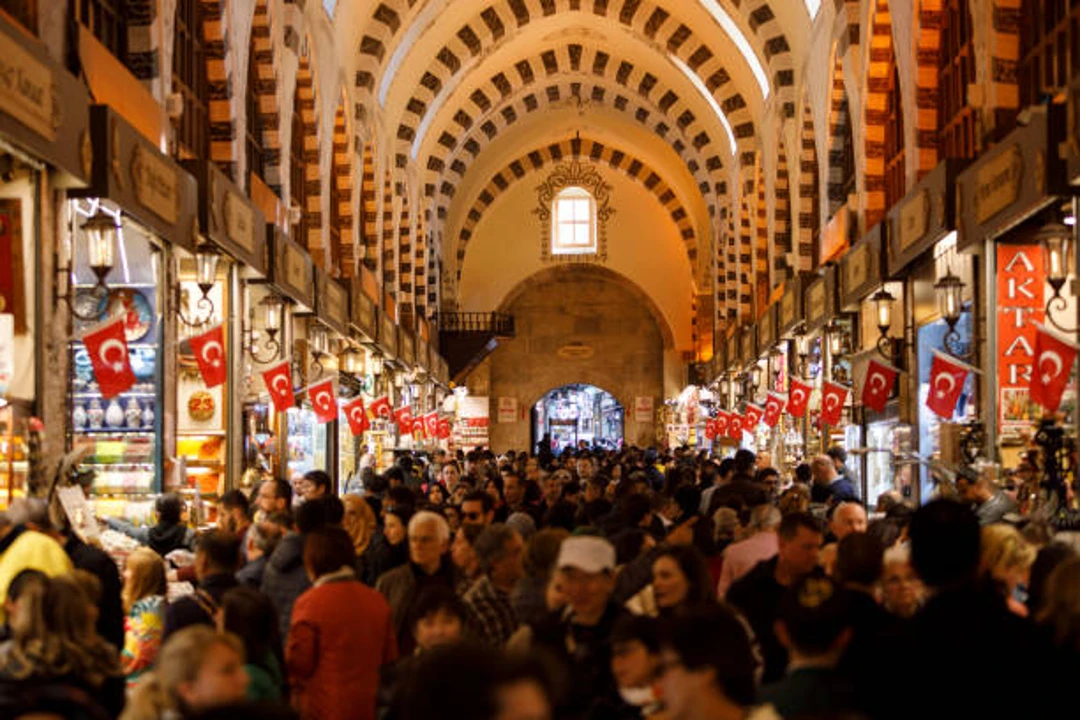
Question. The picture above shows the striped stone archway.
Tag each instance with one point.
(881, 95)
(341, 191)
(264, 56)
(841, 141)
(809, 193)
(781, 216)
(306, 103)
(224, 148)
(369, 219)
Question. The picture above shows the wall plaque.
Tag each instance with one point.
(333, 303)
(857, 266)
(154, 180)
(239, 221)
(28, 89)
(815, 302)
(364, 314)
(387, 333)
(997, 183)
(296, 267)
(914, 219)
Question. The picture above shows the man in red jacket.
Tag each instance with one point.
(340, 635)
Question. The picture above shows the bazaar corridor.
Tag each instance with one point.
(539, 359)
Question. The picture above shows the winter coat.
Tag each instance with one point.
(285, 578)
(161, 538)
(110, 624)
(401, 586)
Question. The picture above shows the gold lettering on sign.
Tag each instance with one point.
(997, 183)
(913, 220)
(815, 301)
(27, 89)
(239, 222)
(856, 268)
(155, 181)
(296, 269)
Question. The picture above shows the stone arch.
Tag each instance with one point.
(782, 249)
(369, 222)
(949, 40)
(599, 272)
(389, 237)
(224, 148)
(306, 105)
(841, 141)
(342, 242)
(809, 194)
(731, 269)
(404, 297)
(746, 255)
(884, 171)
(263, 59)
(596, 152)
(762, 274)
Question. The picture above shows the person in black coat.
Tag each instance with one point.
(217, 557)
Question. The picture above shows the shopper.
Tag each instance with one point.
(217, 558)
(144, 604)
(762, 544)
(249, 615)
(168, 534)
(261, 540)
(22, 548)
(500, 552)
(389, 547)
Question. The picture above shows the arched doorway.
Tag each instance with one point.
(577, 413)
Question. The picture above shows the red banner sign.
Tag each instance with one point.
(1021, 296)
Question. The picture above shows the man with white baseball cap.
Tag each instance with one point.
(581, 635)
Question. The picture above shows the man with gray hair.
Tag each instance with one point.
(429, 565)
(500, 551)
(741, 557)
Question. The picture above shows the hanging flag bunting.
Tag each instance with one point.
(722, 423)
(209, 349)
(1054, 359)
(947, 376)
(419, 427)
(107, 347)
(753, 416)
(444, 428)
(710, 429)
(356, 414)
(380, 409)
(431, 422)
(323, 401)
(878, 385)
(278, 381)
(403, 417)
(735, 427)
(798, 398)
(774, 405)
(833, 397)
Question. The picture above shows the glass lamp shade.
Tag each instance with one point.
(883, 304)
(352, 362)
(206, 263)
(399, 381)
(271, 306)
(1058, 248)
(317, 339)
(755, 376)
(725, 387)
(802, 345)
(101, 232)
(375, 365)
(949, 291)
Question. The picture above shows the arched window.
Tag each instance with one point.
(573, 222)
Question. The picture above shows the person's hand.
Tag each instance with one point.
(684, 533)
(172, 576)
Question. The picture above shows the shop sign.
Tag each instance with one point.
(1020, 293)
(766, 329)
(154, 180)
(407, 346)
(819, 304)
(507, 410)
(860, 271)
(913, 219)
(292, 271)
(363, 312)
(333, 302)
(387, 333)
(732, 354)
(836, 235)
(923, 217)
(27, 89)
(747, 352)
(643, 409)
(239, 221)
(423, 353)
(790, 306)
(997, 183)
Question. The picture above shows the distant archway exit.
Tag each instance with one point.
(574, 414)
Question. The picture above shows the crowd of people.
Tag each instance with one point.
(594, 584)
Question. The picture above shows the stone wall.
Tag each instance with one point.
(621, 348)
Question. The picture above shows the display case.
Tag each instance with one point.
(120, 436)
(348, 452)
(14, 452)
(307, 442)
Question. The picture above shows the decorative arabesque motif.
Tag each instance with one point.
(574, 174)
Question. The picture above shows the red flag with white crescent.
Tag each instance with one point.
(444, 428)
(753, 416)
(431, 424)
(323, 400)
(107, 347)
(710, 429)
(404, 418)
(722, 423)
(947, 376)
(278, 381)
(798, 398)
(735, 427)
(209, 349)
(380, 409)
(1054, 359)
(833, 397)
(419, 427)
(774, 405)
(878, 385)
(356, 414)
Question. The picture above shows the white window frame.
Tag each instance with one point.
(564, 230)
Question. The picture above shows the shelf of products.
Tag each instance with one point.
(204, 457)
(307, 442)
(14, 463)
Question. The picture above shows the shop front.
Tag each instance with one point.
(365, 331)
(331, 348)
(768, 371)
(1016, 217)
(44, 148)
(385, 429)
(790, 329)
(819, 302)
(128, 232)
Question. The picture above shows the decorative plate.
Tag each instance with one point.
(201, 406)
(88, 303)
(137, 311)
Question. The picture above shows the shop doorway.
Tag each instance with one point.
(577, 414)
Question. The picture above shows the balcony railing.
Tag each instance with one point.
(495, 323)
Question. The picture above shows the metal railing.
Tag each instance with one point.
(501, 324)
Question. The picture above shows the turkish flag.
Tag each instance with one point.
(946, 383)
(381, 409)
(107, 347)
(798, 398)
(735, 426)
(323, 402)
(403, 416)
(444, 428)
(722, 423)
(419, 427)
(878, 385)
(774, 405)
(1054, 359)
(753, 416)
(278, 381)
(209, 349)
(833, 397)
(356, 415)
(710, 429)
(431, 424)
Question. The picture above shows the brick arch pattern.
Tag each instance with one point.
(880, 95)
(745, 261)
(404, 296)
(594, 151)
(782, 249)
(731, 268)
(762, 275)
(809, 189)
(927, 90)
(342, 190)
(495, 106)
(500, 18)
(720, 269)
(306, 103)
(224, 148)
(389, 237)
(369, 220)
(264, 56)
(840, 138)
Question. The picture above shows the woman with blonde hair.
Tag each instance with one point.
(143, 597)
(359, 522)
(54, 643)
(198, 669)
(1006, 559)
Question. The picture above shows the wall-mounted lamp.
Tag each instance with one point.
(375, 365)
(318, 346)
(725, 389)
(206, 263)
(1058, 254)
(351, 362)
(272, 309)
(101, 231)
(883, 306)
(949, 290)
